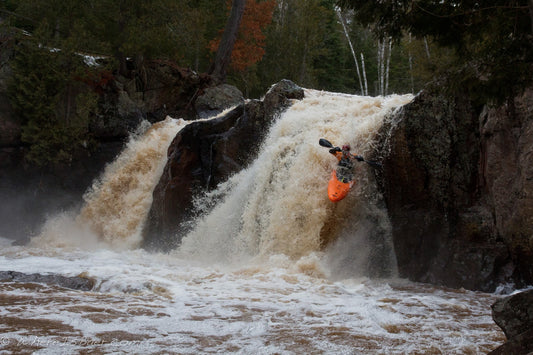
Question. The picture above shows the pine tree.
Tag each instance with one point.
(54, 109)
(491, 39)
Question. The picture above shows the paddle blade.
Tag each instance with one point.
(325, 143)
(374, 164)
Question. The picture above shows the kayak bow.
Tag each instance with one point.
(337, 190)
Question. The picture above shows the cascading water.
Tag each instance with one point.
(117, 204)
(272, 266)
(279, 204)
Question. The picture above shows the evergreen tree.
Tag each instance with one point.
(295, 41)
(334, 70)
(492, 40)
(53, 107)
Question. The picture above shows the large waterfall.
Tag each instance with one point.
(279, 204)
(271, 266)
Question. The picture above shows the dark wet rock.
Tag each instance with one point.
(205, 153)
(522, 344)
(73, 282)
(458, 184)
(279, 96)
(514, 314)
(216, 99)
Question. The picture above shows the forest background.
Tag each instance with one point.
(350, 46)
(307, 41)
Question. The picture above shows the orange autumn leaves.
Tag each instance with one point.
(249, 47)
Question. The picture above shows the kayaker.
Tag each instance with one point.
(346, 162)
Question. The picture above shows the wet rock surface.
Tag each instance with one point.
(457, 181)
(514, 314)
(73, 282)
(205, 153)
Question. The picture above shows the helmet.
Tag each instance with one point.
(346, 147)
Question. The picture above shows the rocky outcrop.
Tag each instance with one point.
(73, 282)
(205, 153)
(216, 99)
(458, 187)
(514, 314)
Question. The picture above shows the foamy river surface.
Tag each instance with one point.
(152, 303)
(270, 267)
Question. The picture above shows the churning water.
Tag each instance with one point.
(271, 267)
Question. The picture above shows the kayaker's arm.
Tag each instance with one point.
(358, 157)
(335, 150)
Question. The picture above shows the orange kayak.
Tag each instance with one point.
(337, 190)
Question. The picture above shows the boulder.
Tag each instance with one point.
(514, 314)
(216, 99)
(205, 153)
(81, 283)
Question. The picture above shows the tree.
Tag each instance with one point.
(250, 42)
(492, 39)
(199, 22)
(300, 44)
(53, 108)
(364, 89)
(225, 48)
(121, 29)
(249, 47)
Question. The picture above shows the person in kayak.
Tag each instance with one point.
(346, 162)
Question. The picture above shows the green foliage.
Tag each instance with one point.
(54, 109)
(332, 63)
(490, 43)
(483, 46)
(294, 42)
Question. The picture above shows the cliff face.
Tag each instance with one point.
(458, 186)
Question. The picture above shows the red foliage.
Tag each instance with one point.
(249, 47)
(97, 80)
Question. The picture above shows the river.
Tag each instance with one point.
(270, 267)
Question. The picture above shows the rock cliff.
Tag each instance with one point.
(458, 182)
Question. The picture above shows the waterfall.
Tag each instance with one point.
(279, 205)
(116, 206)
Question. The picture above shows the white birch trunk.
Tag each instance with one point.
(388, 67)
(427, 48)
(351, 48)
(411, 66)
(381, 67)
(364, 73)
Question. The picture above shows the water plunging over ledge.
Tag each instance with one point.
(272, 265)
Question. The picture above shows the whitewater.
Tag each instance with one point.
(271, 266)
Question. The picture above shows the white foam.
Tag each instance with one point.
(279, 204)
(166, 304)
(252, 277)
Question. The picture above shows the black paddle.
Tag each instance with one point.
(325, 143)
